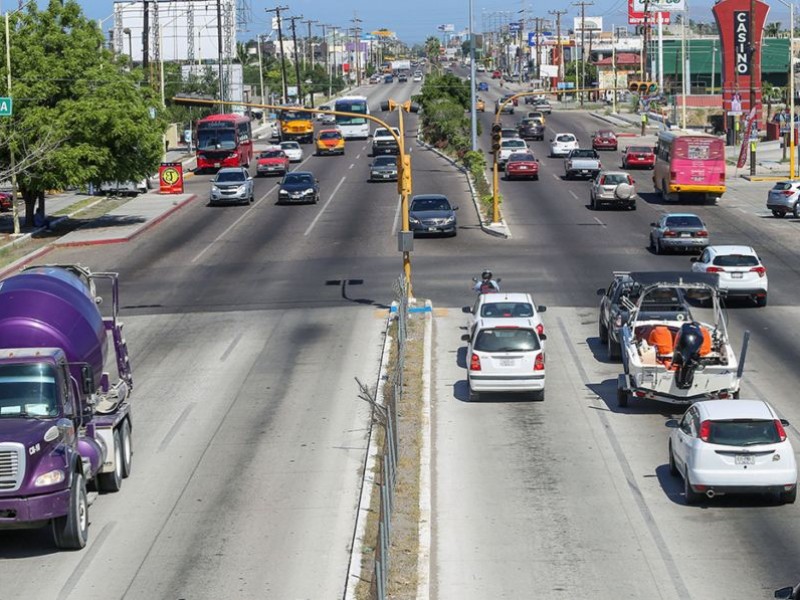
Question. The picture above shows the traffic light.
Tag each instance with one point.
(496, 137)
(643, 88)
(404, 180)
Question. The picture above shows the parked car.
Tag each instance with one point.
(505, 305)
(612, 188)
(299, 186)
(272, 160)
(605, 139)
(582, 162)
(432, 213)
(483, 86)
(330, 141)
(125, 188)
(638, 156)
(509, 147)
(678, 231)
(522, 165)
(740, 271)
(562, 144)
(732, 447)
(784, 198)
(505, 355)
(293, 150)
(232, 185)
(383, 168)
(530, 129)
(5, 201)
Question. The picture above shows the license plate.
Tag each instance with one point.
(736, 275)
(523, 168)
(686, 235)
(216, 165)
(507, 362)
(745, 459)
(697, 178)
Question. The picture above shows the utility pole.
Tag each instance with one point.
(645, 32)
(146, 39)
(300, 97)
(538, 50)
(219, 56)
(558, 14)
(583, 4)
(335, 66)
(614, 66)
(310, 44)
(473, 121)
(357, 33)
(752, 66)
(277, 10)
(324, 27)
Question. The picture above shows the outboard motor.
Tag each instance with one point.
(686, 354)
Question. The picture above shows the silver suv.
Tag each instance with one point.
(232, 184)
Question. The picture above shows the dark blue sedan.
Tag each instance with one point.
(483, 86)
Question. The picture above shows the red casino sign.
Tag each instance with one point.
(736, 35)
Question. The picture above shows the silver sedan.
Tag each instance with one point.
(678, 231)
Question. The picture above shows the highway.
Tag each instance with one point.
(247, 326)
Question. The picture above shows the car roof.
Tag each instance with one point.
(506, 297)
(428, 196)
(732, 249)
(300, 173)
(681, 215)
(231, 170)
(331, 130)
(603, 173)
(735, 409)
(504, 322)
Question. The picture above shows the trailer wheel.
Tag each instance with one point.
(112, 482)
(71, 531)
(127, 448)
(622, 397)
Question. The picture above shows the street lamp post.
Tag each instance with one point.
(792, 167)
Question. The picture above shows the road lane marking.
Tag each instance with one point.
(555, 176)
(88, 556)
(599, 222)
(574, 195)
(324, 206)
(351, 165)
(358, 156)
(175, 426)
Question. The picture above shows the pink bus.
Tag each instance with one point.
(689, 164)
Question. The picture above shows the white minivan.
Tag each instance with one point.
(505, 355)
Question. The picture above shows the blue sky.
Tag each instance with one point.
(414, 20)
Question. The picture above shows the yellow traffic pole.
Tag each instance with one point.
(495, 192)
(405, 190)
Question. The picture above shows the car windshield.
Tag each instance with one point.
(743, 432)
(736, 260)
(640, 149)
(508, 132)
(506, 340)
(28, 391)
(272, 154)
(565, 138)
(423, 204)
(514, 144)
(783, 185)
(290, 146)
(225, 176)
(605, 134)
(330, 135)
(216, 139)
(687, 221)
(614, 179)
(385, 161)
(507, 309)
(298, 178)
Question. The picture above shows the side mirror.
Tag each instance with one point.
(601, 292)
(672, 424)
(87, 380)
(455, 208)
(543, 337)
(66, 430)
(466, 310)
(784, 593)
(653, 224)
(541, 308)
(784, 422)
(465, 337)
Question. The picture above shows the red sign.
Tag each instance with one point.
(736, 34)
(638, 18)
(170, 176)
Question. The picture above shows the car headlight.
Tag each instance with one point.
(308, 191)
(242, 188)
(450, 219)
(284, 192)
(214, 189)
(49, 478)
(414, 220)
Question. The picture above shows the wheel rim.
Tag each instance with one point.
(126, 447)
(82, 512)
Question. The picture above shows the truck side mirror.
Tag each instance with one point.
(541, 308)
(465, 337)
(466, 310)
(66, 429)
(87, 380)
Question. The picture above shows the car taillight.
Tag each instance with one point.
(673, 175)
(715, 270)
(539, 364)
(599, 164)
(760, 270)
(669, 233)
(781, 431)
(540, 329)
(474, 363)
(788, 193)
(701, 233)
(705, 430)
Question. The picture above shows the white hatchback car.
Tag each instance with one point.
(733, 446)
(293, 150)
(505, 355)
(562, 144)
(510, 146)
(740, 270)
(502, 305)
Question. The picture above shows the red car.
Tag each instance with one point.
(272, 161)
(497, 75)
(522, 165)
(605, 139)
(638, 156)
(5, 201)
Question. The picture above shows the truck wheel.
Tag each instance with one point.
(71, 531)
(112, 482)
(127, 448)
(614, 350)
(622, 397)
(602, 332)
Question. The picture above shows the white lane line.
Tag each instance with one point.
(235, 223)
(358, 156)
(396, 215)
(556, 177)
(324, 206)
(742, 210)
(599, 222)
(574, 195)
(352, 165)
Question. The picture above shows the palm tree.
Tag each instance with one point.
(772, 30)
(432, 46)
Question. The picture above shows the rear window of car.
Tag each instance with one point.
(290, 145)
(506, 340)
(330, 135)
(736, 260)
(520, 157)
(639, 150)
(507, 309)
(514, 144)
(684, 222)
(615, 179)
(565, 138)
(584, 154)
(272, 154)
(605, 134)
(783, 185)
(743, 432)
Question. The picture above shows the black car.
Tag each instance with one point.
(530, 129)
(299, 186)
(618, 300)
(383, 168)
(432, 213)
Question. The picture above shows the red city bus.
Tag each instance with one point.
(224, 141)
(689, 164)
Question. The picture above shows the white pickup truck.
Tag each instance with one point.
(583, 162)
(383, 142)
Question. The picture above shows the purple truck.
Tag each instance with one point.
(63, 425)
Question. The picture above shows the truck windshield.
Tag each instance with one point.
(28, 391)
(216, 139)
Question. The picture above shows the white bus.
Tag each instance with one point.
(353, 127)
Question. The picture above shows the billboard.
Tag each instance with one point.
(659, 5)
(589, 24)
(638, 18)
(448, 28)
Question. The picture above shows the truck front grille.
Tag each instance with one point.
(12, 466)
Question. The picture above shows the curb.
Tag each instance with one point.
(757, 178)
(148, 225)
(611, 120)
(425, 493)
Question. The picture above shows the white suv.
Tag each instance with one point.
(501, 305)
(505, 355)
(733, 446)
(740, 270)
(562, 144)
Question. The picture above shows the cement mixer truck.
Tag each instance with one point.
(64, 426)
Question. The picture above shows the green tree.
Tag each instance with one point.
(772, 30)
(69, 89)
(432, 46)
